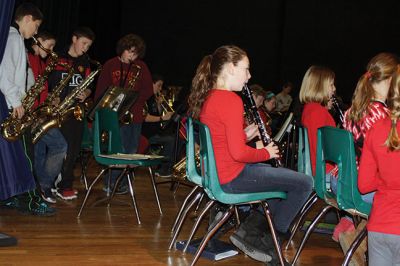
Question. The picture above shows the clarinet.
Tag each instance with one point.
(251, 108)
(338, 109)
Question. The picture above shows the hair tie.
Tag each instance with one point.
(368, 75)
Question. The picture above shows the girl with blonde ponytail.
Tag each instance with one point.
(379, 173)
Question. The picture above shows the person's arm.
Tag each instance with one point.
(9, 87)
(158, 118)
(368, 171)
(232, 118)
(146, 88)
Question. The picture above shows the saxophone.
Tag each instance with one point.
(66, 108)
(12, 128)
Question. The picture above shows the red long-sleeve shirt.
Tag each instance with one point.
(379, 171)
(313, 117)
(111, 75)
(38, 66)
(223, 112)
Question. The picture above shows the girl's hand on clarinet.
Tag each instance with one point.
(272, 150)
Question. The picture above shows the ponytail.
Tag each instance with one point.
(393, 141)
(201, 85)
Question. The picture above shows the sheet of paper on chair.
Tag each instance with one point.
(133, 156)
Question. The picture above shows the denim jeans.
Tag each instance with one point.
(369, 197)
(263, 178)
(50, 152)
(130, 136)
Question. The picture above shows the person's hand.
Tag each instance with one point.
(167, 116)
(56, 101)
(18, 112)
(83, 95)
(272, 150)
(329, 105)
(251, 132)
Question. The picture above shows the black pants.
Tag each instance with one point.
(72, 130)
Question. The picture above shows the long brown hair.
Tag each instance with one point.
(393, 141)
(207, 73)
(380, 67)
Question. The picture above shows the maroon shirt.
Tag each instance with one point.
(111, 75)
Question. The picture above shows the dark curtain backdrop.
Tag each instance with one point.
(282, 37)
(6, 9)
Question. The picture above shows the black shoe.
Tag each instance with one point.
(250, 245)
(38, 209)
(10, 203)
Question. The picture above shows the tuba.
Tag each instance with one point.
(119, 99)
(12, 128)
(66, 108)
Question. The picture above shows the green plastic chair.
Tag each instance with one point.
(194, 177)
(107, 141)
(303, 166)
(337, 146)
(214, 191)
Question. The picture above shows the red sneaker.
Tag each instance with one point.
(344, 225)
(66, 194)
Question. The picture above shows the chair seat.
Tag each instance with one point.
(243, 198)
(111, 161)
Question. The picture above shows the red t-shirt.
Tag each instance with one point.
(223, 112)
(379, 171)
(313, 117)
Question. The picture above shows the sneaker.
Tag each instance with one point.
(344, 225)
(39, 209)
(66, 194)
(48, 196)
(242, 242)
(10, 203)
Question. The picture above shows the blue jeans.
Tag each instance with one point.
(130, 137)
(369, 197)
(50, 152)
(262, 178)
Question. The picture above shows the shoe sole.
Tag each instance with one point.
(66, 198)
(259, 256)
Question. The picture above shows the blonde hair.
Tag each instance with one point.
(380, 67)
(315, 85)
(393, 141)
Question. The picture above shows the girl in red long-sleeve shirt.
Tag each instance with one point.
(378, 172)
(214, 101)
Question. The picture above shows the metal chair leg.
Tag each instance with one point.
(183, 207)
(153, 183)
(199, 203)
(309, 230)
(304, 211)
(130, 176)
(197, 223)
(89, 190)
(117, 181)
(210, 233)
(356, 243)
(182, 218)
(268, 215)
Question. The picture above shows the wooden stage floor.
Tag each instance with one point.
(111, 236)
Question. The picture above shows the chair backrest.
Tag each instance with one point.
(303, 153)
(191, 165)
(209, 173)
(337, 145)
(107, 137)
